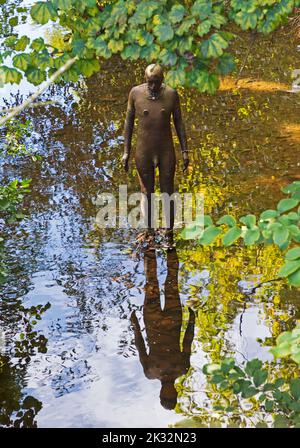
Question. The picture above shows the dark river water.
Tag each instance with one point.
(126, 335)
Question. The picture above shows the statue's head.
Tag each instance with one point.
(154, 77)
(168, 393)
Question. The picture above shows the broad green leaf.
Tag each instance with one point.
(185, 26)
(294, 278)
(88, 66)
(207, 82)
(209, 369)
(204, 27)
(38, 44)
(281, 350)
(291, 188)
(259, 377)
(287, 204)
(231, 236)
(175, 77)
(293, 254)
(35, 76)
(246, 20)
(288, 268)
(251, 236)
(214, 46)
(42, 12)
(252, 366)
(295, 388)
(209, 235)
(22, 43)
(100, 47)
(10, 75)
(115, 45)
(280, 236)
(176, 14)
(249, 392)
(268, 214)
(249, 221)
(191, 232)
(227, 219)
(225, 64)
(164, 32)
(21, 61)
(168, 57)
(202, 9)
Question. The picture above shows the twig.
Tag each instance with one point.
(35, 95)
(45, 103)
(252, 39)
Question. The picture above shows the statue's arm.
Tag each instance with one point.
(128, 128)
(139, 341)
(180, 129)
(189, 334)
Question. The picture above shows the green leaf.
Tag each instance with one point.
(214, 46)
(38, 44)
(291, 188)
(13, 21)
(88, 66)
(251, 236)
(202, 9)
(175, 77)
(249, 392)
(288, 268)
(22, 43)
(168, 57)
(293, 254)
(287, 204)
(268, 214)
(281, 350)
(204, 27)
(42, 12)
(227, 219)
(294, 278)
(164, 32)
(260, 377)
(209, 369)
(252, 366)
(176, 14)
(131, 52)
(269, 405)
(249, 221)
(295, 388)
(21, 61)
(207, 82)
(225, 64)
(35, 76)
(115, 45)
(280, 236)
(231, 236)
(209, 235)
(185, 26)
(246, 20)
(10, 75)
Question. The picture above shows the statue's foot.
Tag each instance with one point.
(146, 239)
(169, 239)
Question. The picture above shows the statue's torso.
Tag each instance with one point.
(154, 128)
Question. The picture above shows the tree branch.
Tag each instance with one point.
(35, 95)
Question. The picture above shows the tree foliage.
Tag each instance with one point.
(191, 39)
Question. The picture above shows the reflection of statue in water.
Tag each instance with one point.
(153, 103)
(165, 361)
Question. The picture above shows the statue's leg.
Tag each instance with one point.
(146, 173)
(167, 165)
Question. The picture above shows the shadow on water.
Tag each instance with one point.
(94, 364)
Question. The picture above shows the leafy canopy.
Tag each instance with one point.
(189, 38)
